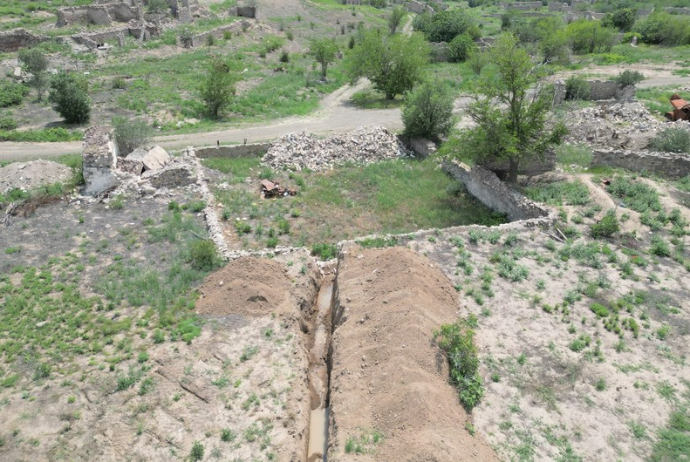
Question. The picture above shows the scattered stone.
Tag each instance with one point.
(156, 159)
(174, 176)
(363, 145)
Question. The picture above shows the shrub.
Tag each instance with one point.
(664, 29)
(119, 83)
(590, 37)
(607, 226)
(130, 134)
(157, 6)
(460, 48)
(446, 25)
(660, 247)
(203, 255)
(186, 37)
(428, 111)
(11, 93)
(574, 154)
(197, 452)
(324, 251)
(457, 341)
(577, 88)
(673, 139)
(7, 123)
(35, 61)
(284, 56)
(68, 93)
(217, 88)
(629, 78)
(600, 310)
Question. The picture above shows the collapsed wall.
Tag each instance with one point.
(15, 39)
(387, 375)
(490, 191)
(664, 164)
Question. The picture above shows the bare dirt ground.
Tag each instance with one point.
(387, 375)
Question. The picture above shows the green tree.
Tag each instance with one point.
(428, 111)
(69, 96)
(590, 37)
(446, 25)
(460, 48)
(217, 88)
(130, 133)
(394, 64)
(510, 110)
(324, 52)
(395, 17)
(622, 19)
(35, 61)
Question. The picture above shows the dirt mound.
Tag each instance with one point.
(31, 175)
(303, 150)
(249, 286)
(390, 395)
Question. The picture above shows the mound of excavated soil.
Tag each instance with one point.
(248, 286)
(387, 374)
(30, 175)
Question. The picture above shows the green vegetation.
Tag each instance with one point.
(673, 139)
(574, 154)
(560, 193)
(607, 226)
(68, 94)
(394, 64)
(11, 93)
(130, 134)
(217, 89)
(324, 52)
(428, 111)
(457, 342)
(42, 135)
(364, 444)
(635, 194)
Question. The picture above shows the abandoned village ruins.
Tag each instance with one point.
(288, 344)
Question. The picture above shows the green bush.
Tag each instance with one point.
(197, 452)
(661, 28)
(600, 310)
(203, 255)
(446, 25)
(660, 247)
(577, 88)
(590, 37)
(428, 111)
(68, 94)
(635, 194)
(607, 226)
(457, 341)
(673, 139)
(7, 122)
(130, 133)
(629, 78)
(460, 47)
(324, 251)
(11, 93)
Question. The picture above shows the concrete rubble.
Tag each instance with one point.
(363, 145)
(30, 175)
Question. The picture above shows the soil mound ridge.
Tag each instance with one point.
(388, 378)
(247, 286)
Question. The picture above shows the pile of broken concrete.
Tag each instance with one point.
(143, 172)
(618, 125)
(304, 151)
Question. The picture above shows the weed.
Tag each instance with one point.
(203, 255)
(636, 195)
(659, 247)
(607, 226)
(601, 384)
(324, 251)
(227, 435)
(457, 341)
(197, 452)
(560, 193)
(638, 430)
(248, 353)
(580, 343)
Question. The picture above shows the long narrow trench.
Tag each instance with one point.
(319, 374)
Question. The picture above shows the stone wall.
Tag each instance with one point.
(240, 150)
(523, 6)
(99, 160)
(15, 39)
(490, 191)
(246, 12)
(677, 10)
(200, 39)
(599, 90)
(663, 164)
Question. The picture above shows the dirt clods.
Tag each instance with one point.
(390, 395)
(30, 175)
(248, 286)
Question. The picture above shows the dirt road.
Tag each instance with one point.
(336, 115)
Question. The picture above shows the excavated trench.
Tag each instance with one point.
(319, 371)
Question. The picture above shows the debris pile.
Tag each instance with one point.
(363, 145)
(31, 175)
(273, 189)
(620, 125)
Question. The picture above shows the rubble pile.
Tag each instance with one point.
(363, 145)
(30, 175)
(619, 125)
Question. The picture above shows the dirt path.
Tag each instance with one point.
(336, 115)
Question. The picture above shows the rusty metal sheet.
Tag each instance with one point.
(678, 103)
(268, 185)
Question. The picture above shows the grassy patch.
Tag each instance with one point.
(42, 135)
(635, 195)
(560, 193)
(372, 99)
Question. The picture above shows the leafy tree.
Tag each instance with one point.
(394, 64)
(590, 37)
(68, 94)
(395, 17)
(35, 61)
(577, 87)
(510, 110)
(664, 29)
(324, 52)
(217, 89)
(629, 78)
(460, 48)
(622, 19)
(428, 111)
(446, 25)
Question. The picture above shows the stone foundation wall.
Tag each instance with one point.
(240, 150)
(523, 6)
(15, 39)
(490, 191)
(200, 39)
(663, 164)
(599, 90)
(99, 160)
